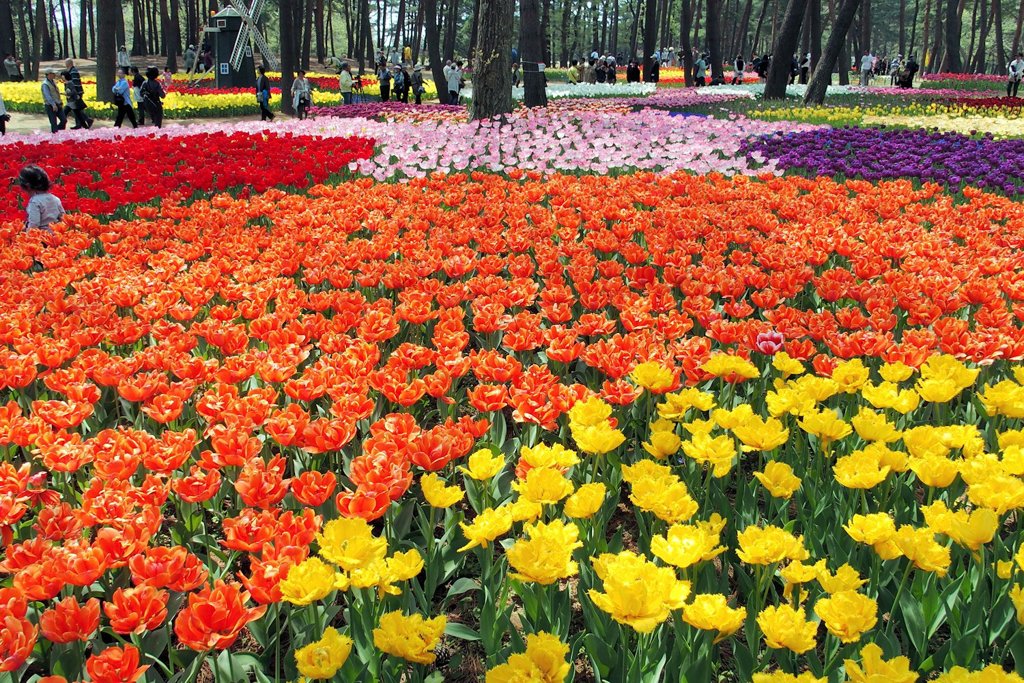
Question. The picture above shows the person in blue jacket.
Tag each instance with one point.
(123, 100)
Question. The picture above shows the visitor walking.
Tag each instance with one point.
(895, 66)
(401, 85)
(190, 58)
(611, 70)
(137, 80)
(454, 83)
(416, 82)
(805, 68)
(263, 94)
(700, 72)
(123, 100)
(44, 208)
(75, 93)
(867, 62)
(517, 75)
(1014, 71)
(384, 78)
(302, 95)
(52, 102)
(345, 83)
(13, 69)
(153, 96)
(74, 106)
(906, 79)
(123, 60)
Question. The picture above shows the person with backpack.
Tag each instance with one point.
(416, 81)
(384, 78)
(1014, 72)
(137, 80)
(75, 105)
(153, 96)
(700, 72)
(123, 100)
(75, 93)
(263, 94)
(401, 85)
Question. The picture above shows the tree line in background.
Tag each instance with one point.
(947, 35)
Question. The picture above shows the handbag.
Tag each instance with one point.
(119, 99)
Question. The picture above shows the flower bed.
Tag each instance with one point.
(99, 176)
(951, 159)
(397, 111)
(654, 420)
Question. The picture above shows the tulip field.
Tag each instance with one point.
(678, 386)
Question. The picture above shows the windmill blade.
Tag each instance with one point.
(238, 51)
(265, 50)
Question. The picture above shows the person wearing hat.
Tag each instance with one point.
(43, 208)
(416, 82)
(190, 58)
(384, 78)
(123, 60)
(123, 99)
(401, 84)
(345, 83)
(52, 102)
(152, 94)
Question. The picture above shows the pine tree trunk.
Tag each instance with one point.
(782, 51)
(434, 48)
(822, 76)
(307, 32)
(37, 40)
(563, 33)
(138, 28)
(83, 28)
(1017, 30)
(974, 30)
(743, 28)
(814, 16)
(997, 10)
(865, 26)
(172, 41)
(684, 41)
(755, 45)
(650, 38)
(286, 27)
(938, 31)
(715, 39)
(452, 30)
(106, 48)
(7, 37)
(926, 35)
(985, 24)
(903, 27)
(531, 43)
(545, 30)
(318, 27)
(492, 69)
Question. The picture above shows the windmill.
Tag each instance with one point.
(249, 27)
(232, 32)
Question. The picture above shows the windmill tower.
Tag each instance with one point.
(232, 32)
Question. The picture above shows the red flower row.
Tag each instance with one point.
(99, 176)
